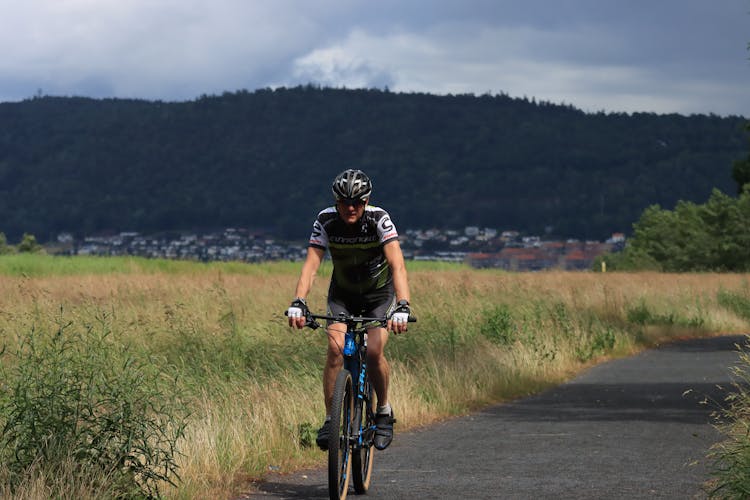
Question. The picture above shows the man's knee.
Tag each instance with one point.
(334, 357)
(377, 339)
(375, 357)
(334, 360)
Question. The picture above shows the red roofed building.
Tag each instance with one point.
(574, 256)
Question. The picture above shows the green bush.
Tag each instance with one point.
(597, 339)
(639, 314)
(562, 319)
(74, 395)
(4, 247)
(602, 342)
(628, 260)
(307, 434)
(713, 236)
(498, 325)
(735, 302)
(29, 244)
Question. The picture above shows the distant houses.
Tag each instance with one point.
(478, 247)
(509, 250)
(569, 256)
(227, 245)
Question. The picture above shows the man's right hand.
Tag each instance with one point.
(297, 313)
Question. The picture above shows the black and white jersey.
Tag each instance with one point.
(359, 263)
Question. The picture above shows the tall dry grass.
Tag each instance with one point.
(253, 386)
(64, 482)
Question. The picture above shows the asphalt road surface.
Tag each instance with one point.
(629, 428)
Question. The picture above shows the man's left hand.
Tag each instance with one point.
(400, 317)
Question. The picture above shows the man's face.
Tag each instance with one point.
(351, 210)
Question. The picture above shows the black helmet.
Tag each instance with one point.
(352, 185)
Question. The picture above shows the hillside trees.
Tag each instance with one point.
(265, 160)
(741, 171)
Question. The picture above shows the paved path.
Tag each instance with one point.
(629, 428)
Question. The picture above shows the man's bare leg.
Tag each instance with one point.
(334, 361)
(377, 364)
(380, 371)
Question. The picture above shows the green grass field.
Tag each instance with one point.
(40, 265)
(211, 340)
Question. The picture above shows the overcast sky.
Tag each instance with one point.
(664, 56)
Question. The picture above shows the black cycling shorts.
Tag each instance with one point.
(375, 304)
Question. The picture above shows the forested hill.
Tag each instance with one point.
(265, 159)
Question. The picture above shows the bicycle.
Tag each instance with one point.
(351, 442)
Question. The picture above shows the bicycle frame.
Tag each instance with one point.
(356, 363)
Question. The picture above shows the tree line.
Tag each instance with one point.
(265, 159)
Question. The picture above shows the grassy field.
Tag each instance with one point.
(249, 387)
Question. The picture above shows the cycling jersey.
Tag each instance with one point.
(359, 264)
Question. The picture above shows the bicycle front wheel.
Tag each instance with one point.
(339, 442)
(363, 453)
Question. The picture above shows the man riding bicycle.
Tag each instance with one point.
(369, 279)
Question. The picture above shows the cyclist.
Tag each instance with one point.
(369, 279)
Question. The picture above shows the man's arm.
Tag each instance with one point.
(309, 268)
(306, 278)
(395, 258)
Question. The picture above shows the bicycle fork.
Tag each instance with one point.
(361, 427)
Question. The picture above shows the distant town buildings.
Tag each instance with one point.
(227, 245)
(478, 247)
(570, 255)
(509, 250)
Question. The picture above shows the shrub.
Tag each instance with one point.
(73, 395)
(598, 342)
(639, 314)
(4, 247)
(307, 435)
(498, 325)
(29, 244)
(736, 302)
(628, 260)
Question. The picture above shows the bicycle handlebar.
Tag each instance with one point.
(345, 318)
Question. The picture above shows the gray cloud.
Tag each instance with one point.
(685, 56)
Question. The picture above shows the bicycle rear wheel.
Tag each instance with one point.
(362, 456)
(339, 442)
